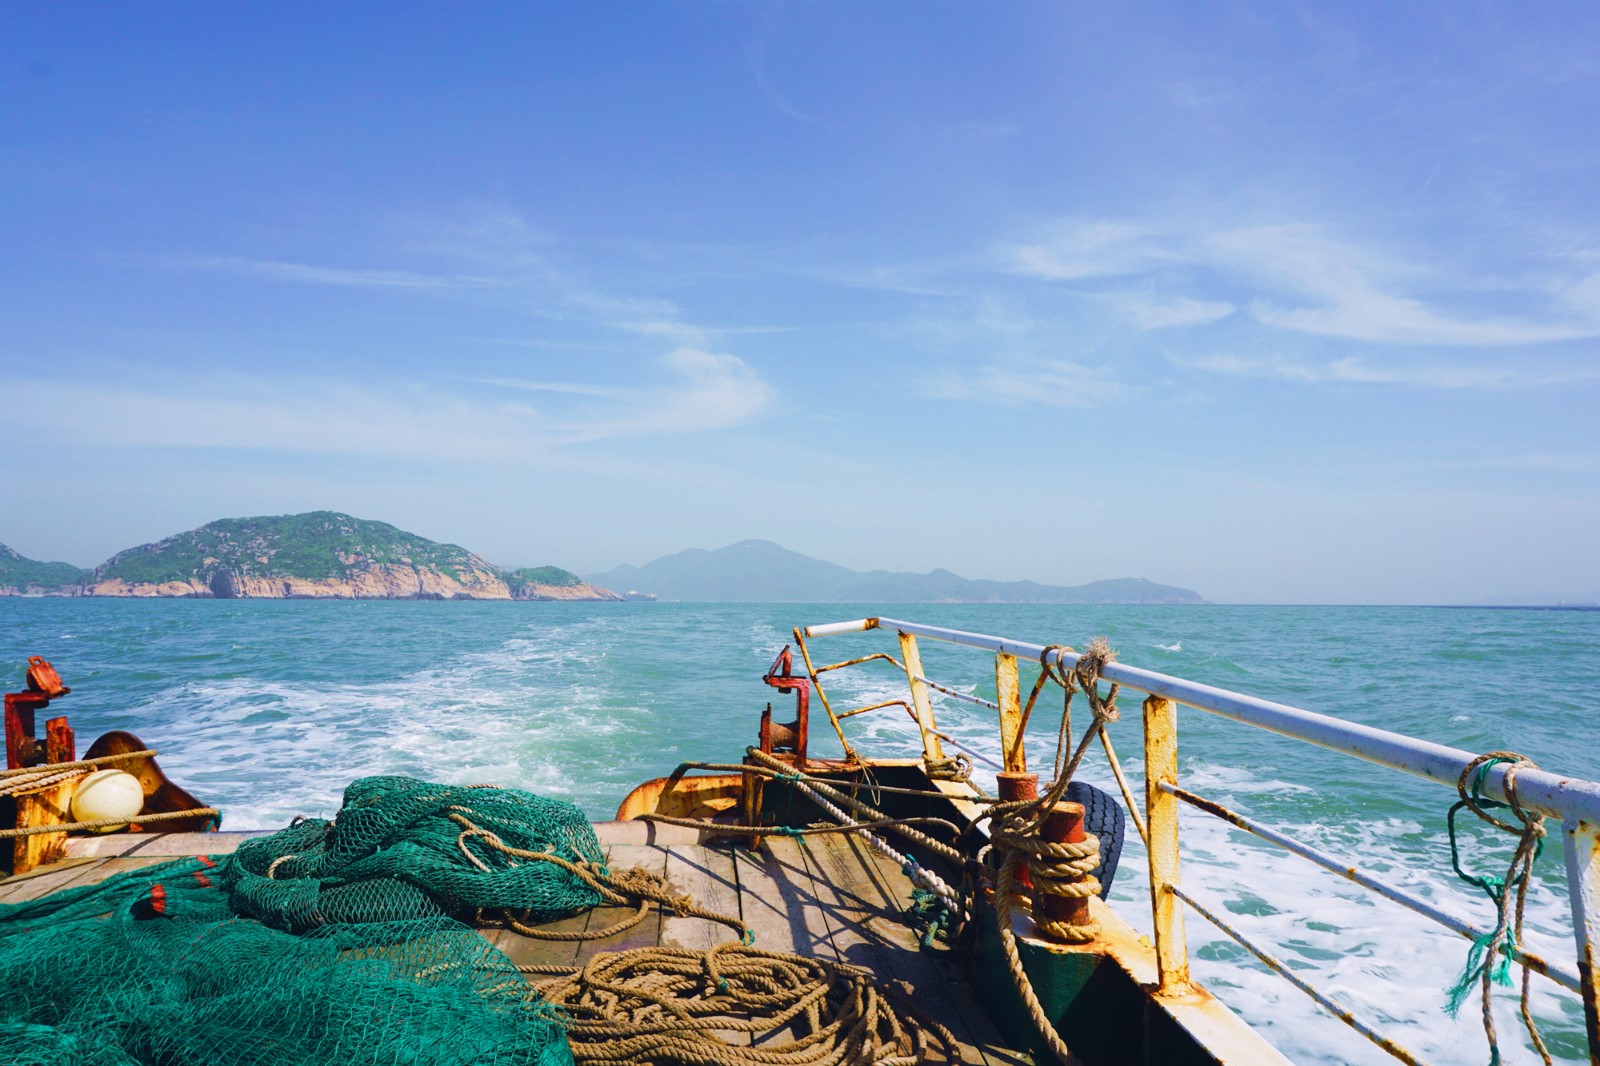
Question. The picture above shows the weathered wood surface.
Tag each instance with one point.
(73, 873)
(49, 805)
(829, 896)
(170, 845)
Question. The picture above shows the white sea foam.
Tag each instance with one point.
(1176, 645)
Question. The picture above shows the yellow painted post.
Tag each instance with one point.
(1008, 694)
(932, 750)
(1161, 808)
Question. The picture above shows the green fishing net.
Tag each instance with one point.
(335, 943)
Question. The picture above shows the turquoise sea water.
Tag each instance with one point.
(268, 708)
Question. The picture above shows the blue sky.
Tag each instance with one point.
(1280, 302)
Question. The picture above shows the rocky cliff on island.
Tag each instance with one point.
(320, 555)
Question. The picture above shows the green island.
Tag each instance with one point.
(316, 555)
(21, 576)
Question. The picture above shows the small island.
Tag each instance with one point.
(316, 555)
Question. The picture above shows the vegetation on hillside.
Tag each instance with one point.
(540, 575)
(316, 546)
(31, 575)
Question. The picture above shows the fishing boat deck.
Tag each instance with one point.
(829, 896)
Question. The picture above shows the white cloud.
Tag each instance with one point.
(716, 391)
(1344, 285)
(1583, 296)
(358, 277)
(700, 391)
(1052, 382)
(1075, 251)
(1152, 313)
(1352, 370)
(1298, 278)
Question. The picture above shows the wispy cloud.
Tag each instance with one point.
(1344, 286)
(697, 391)
(1293, 277)
(1051, 382)
(714, 391)
(1355, 371)
(1076, 251)
(494, 255)
(348, 277)
(1152, 313)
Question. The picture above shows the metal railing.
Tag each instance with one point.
(1574, 802)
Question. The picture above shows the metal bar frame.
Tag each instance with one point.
(1573, 801)
(1559, 974)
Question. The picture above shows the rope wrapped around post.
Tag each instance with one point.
(1059, 869)
(1063, 870)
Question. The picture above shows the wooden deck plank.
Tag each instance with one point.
(71, 874)
(531, 951)
(890, 884)
(778, 902)
(785, 863)
(168, 844)
(646, 934)
(44, 880)
(707, 876)
(766, 902)
(867, 931)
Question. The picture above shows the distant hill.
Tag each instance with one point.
(21, 576)
(1577, 599)
(320, 555)
(759, 570)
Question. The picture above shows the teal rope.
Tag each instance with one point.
(1497, 889)
(1493, 887)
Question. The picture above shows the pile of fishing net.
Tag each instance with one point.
(329, 942)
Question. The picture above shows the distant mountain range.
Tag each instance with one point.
(317, 555)
(759, 570)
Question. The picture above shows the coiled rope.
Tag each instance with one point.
(1489, 959)
(673, 1005)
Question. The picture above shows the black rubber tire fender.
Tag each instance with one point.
(1102, 816)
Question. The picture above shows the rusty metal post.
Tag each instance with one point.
(1161, 808)
(1014, 786)
(1582, 841)
(1063, 825)
(1008, 694)
(59, 743)
(932, 751)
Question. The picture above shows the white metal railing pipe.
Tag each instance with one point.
(965, 697)
(1561, 975)
(1552, 794)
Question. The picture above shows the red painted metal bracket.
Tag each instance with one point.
(778, 737)
(22, 747)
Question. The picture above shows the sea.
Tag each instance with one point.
(268, 709)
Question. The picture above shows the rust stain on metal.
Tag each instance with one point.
(876, 706)
(1210, 807)
(1008, 694)
(1161, 767)
(885, 656)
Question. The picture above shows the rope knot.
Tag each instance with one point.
(951, 768)
(1489, 959)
